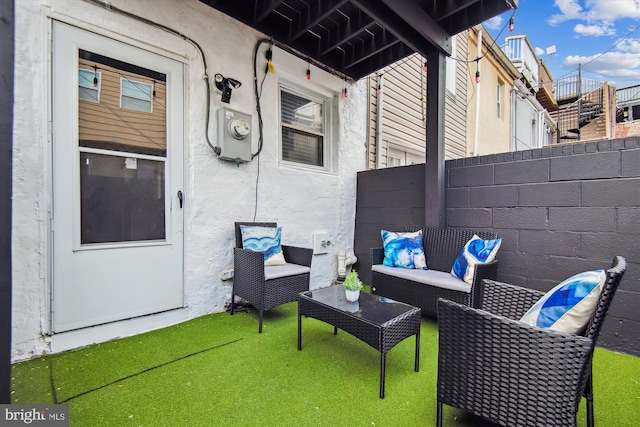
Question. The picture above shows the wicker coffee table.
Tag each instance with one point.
(380, 322)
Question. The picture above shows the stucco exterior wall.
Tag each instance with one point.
(217, 193)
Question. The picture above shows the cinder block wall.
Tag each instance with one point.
(560, 210)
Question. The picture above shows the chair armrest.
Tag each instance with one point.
(484, 359)
(248, 266)
(297, 255)
(483, 271)
(504, 299)
(377, 255)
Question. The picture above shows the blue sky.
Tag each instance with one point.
(603, 35)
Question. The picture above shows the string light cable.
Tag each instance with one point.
(509, 24)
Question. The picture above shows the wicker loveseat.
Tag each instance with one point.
(422, 288)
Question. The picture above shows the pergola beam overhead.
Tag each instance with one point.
(358, 37)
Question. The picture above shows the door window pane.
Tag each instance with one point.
(127, 117)
(122, 199)
(122, 186)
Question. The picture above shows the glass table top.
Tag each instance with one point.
(373, 308)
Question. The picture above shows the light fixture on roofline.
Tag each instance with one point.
(512, 23)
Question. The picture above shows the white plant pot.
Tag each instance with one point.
(352, 295)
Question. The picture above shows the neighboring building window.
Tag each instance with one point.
(499, 96)
(86, 89)
(401, 157)
(393, 162)
(136, 96)
(451, 68)
(304, 127)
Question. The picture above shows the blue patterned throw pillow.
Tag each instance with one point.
(568, 307)
(476, 251)
(403, 250)
(264, 239)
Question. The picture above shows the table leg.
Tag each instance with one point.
(335, 330)
(299, 330)
(383, 361)
(417, 368)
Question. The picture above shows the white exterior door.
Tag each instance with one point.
(117, 217)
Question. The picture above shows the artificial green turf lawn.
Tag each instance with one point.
(217, 370)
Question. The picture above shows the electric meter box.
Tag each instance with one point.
(234, 135)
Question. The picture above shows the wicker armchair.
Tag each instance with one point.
(509, 372)
(266, 287)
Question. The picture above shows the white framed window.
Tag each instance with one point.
(400, 156)
(89, 83)
(136, 96)
(393, 161)
(499, 96)
(305, 134)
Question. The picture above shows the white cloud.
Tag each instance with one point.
(602, 13)
(610, 66)
(629, 45)
(594, 30)
(494, 23)
(569, 9)
(611, 10)
(539, 51)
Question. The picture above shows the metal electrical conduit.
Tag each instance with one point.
(205, 76)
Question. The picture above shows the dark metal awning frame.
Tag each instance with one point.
(355, 38)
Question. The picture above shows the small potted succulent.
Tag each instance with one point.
(352, 286)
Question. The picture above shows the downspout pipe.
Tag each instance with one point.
(477, 112)
(379, 114)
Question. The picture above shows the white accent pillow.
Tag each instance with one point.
(265, 240)
(568, 307)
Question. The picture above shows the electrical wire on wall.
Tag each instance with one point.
(257, 94)
(258, 91)
(205, 76)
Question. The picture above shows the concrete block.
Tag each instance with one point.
(630, 163)
(632, 142)
(550, 194)
(629, 220)
(494, 196)
(524, 218)
(611, 192)
(522, 172)
(549, 242)
(457, 198)
(472, 176)
(586, 166)
(469, 218)
(582, 219)
(608, 245)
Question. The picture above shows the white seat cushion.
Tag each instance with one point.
(278, 271)
(428, 277)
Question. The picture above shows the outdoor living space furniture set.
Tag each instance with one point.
(422, 287)
(515, 356)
